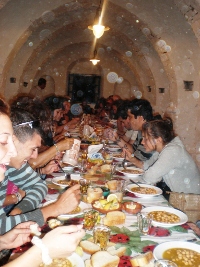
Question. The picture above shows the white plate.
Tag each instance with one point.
(113, 148)
(130, 175)
(76, 260)
(183, 217)
(56, 179)
(161, 248)
(118, 158)
(82, 205)
(158, 190)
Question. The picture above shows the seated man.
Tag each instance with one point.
(27, 139)
(123, 124)
(138, 112)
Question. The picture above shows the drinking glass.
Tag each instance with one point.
(120, 190)
(113, 169)
(144, 221)
(101, 235)
(84, 184)
(90, 218)
(82, 166)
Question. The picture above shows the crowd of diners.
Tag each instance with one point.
(32, 139)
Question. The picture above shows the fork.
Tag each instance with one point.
(67, 175)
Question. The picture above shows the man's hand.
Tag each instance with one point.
(65, 144)
(62, 241)
(17, 236)
(66, 203)
(52, 166)
(69, 200)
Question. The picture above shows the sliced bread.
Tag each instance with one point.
(89, 247)
(142, 259)
(114, 218)
(118, 252)
(104, 259)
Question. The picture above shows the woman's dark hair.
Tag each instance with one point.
(160, 128)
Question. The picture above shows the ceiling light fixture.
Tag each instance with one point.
(97, 28)
(94, 60)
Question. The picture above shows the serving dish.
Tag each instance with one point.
(161, 248)
(157, 190)
(104, 211)
(130, 172)
(131, 207)
(56, 180)
(182, 216)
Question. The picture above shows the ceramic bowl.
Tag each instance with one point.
(132, 207)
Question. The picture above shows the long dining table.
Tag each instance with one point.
(144, 242)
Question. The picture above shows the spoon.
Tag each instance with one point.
(135, 183)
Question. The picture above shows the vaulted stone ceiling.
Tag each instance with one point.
(151, 43)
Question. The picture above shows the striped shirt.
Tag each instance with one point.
(28, 180)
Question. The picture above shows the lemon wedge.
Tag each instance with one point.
(103, 201)
(107, 206)
(113, 198)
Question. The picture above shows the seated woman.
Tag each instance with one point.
(172, 162)
(60, 242)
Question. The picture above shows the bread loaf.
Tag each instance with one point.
(104, 259)
(114, 218)
(142, 260)
(118, 252)
(94, 194)
(89, 247)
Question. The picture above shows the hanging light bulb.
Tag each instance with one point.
(97, 28)
(94, 60)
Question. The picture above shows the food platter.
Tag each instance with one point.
(82, 207)
(182, 216)
(148, 188)
(161, 248)
(56, 180)
(130, 172)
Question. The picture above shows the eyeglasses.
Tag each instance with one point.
(31, 124)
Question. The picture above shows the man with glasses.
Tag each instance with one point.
(138, 112)
(27, 139)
